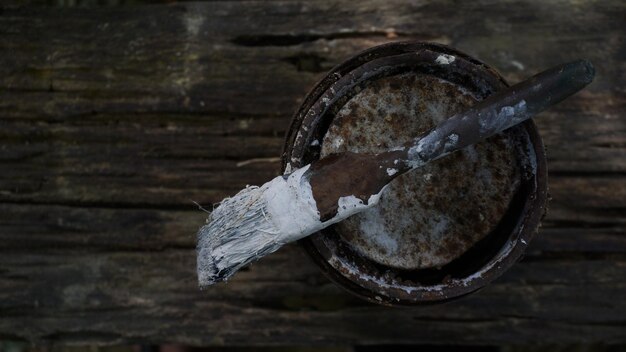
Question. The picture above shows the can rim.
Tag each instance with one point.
(529, 217)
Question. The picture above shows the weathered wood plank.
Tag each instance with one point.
(136, 159)
(113, 120)
(121, 295)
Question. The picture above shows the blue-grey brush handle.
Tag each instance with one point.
(501, 111)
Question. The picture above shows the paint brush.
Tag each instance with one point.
(259, 220)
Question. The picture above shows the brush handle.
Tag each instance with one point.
(499, 112)
(363, 175)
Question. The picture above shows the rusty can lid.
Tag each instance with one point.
(438, 232)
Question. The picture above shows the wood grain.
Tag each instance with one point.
(114, 119)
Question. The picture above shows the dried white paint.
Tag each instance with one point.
(291, 206)
(338, 142)
(507, 116)
(445, 59)
(518, 65)
(413, 154)
(432, 141)
(451, 141)
(391, 171)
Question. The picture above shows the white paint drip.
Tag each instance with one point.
(337, 142)
(445, 59)
(299, 136)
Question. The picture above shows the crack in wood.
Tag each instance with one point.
(257, 40)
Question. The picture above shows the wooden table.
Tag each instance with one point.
(113, 120)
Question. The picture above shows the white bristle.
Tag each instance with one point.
(224, 244)
(255, 222)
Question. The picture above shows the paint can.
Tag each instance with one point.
(439, 232)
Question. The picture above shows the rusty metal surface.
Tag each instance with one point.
(434, 267)
(423, 219)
